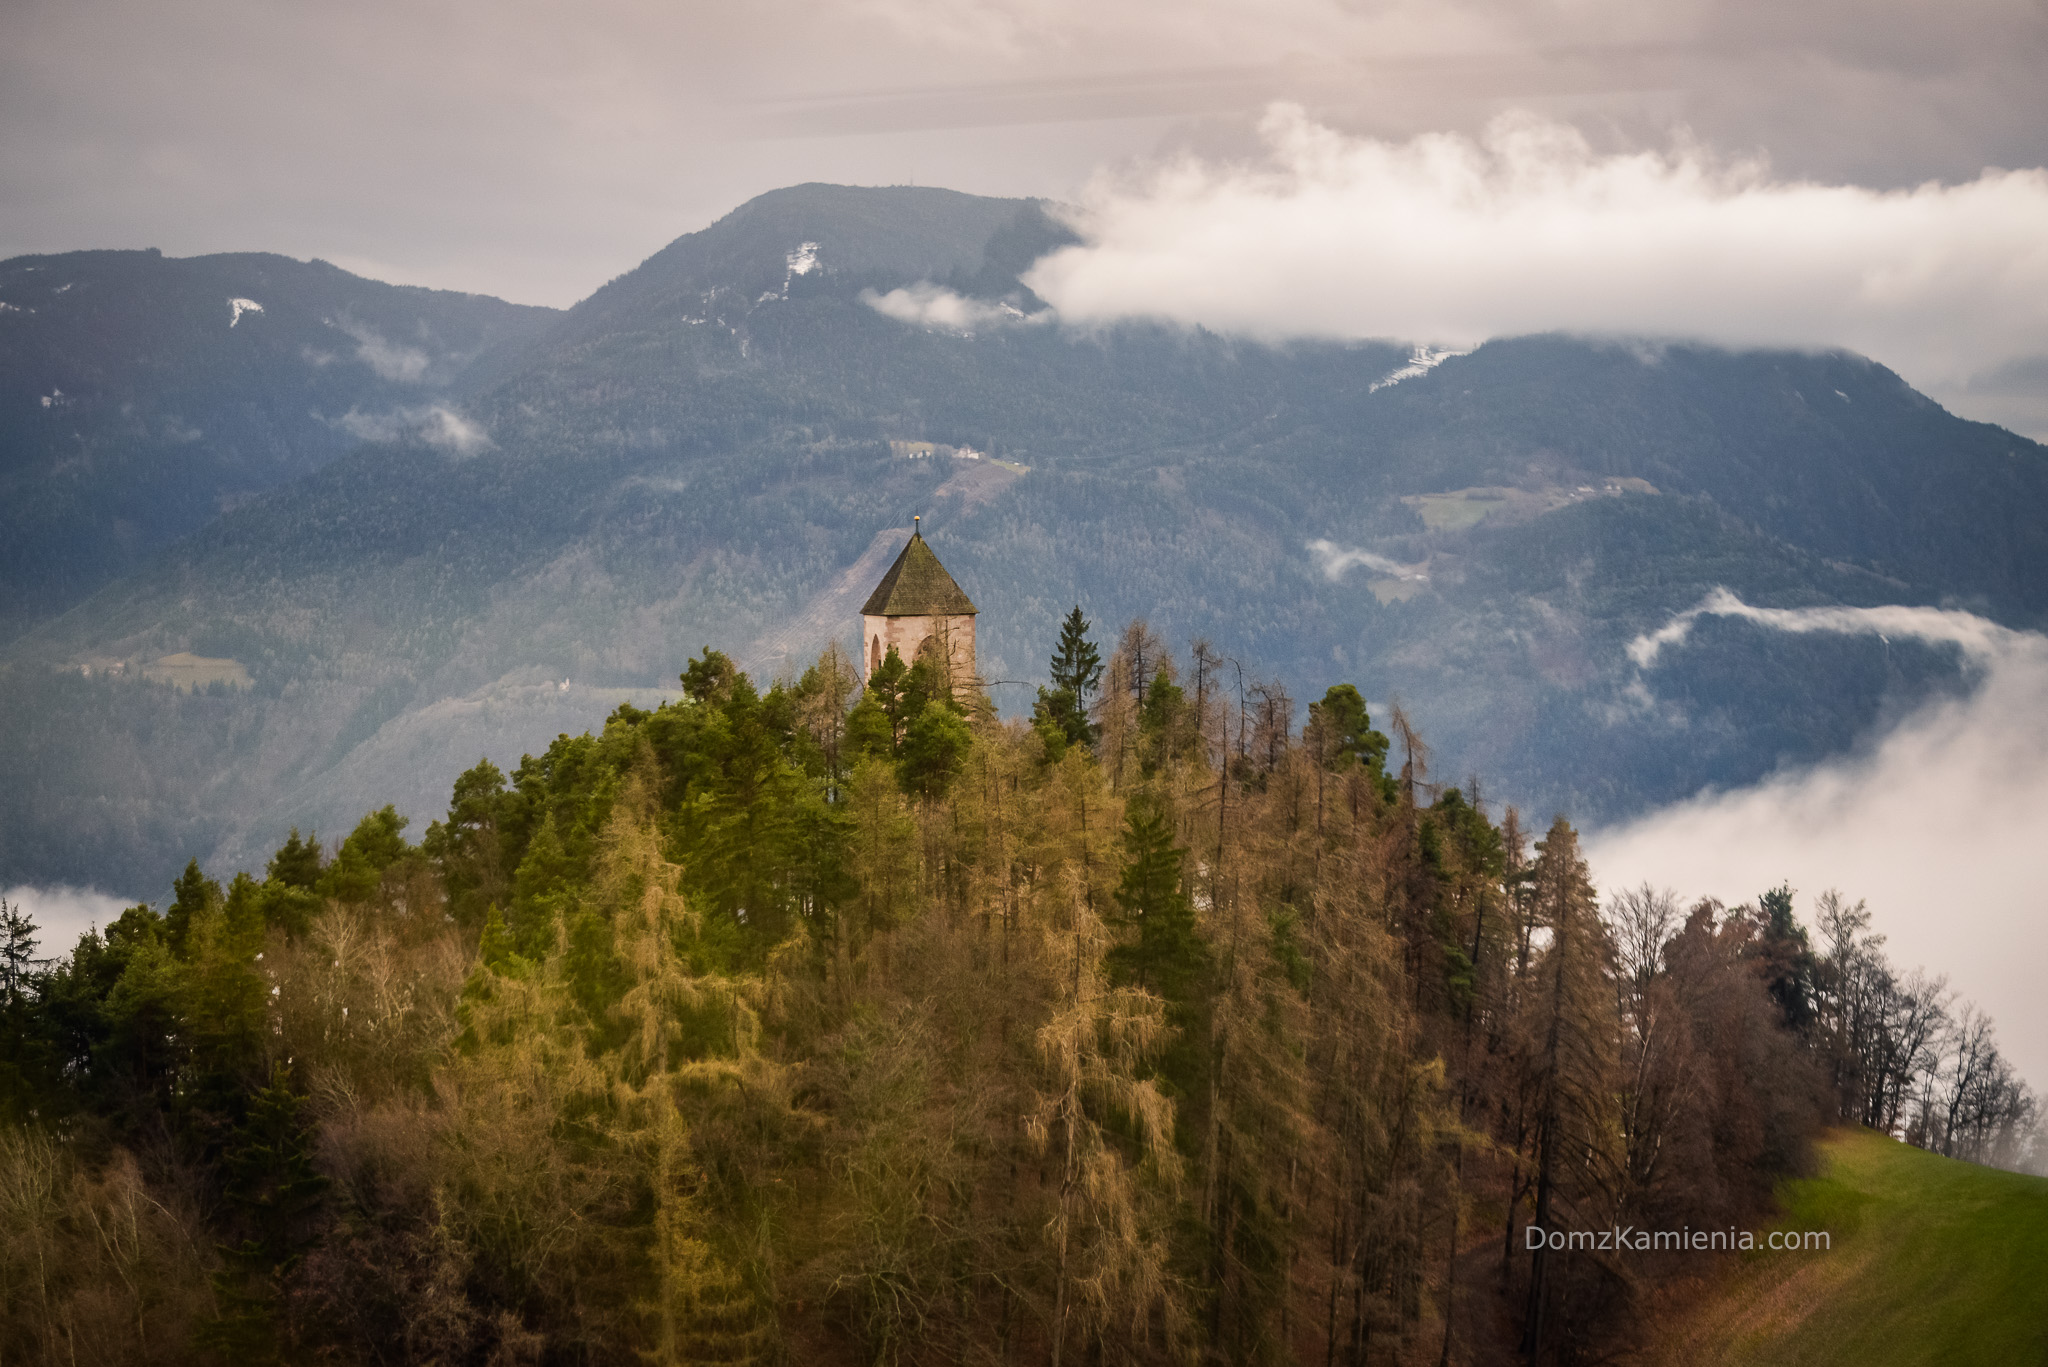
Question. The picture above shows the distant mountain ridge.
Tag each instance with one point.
(143, 395)
(699, 452)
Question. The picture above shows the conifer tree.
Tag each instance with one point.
(1785, 958)
(875, 726)
(1109, 1234)
(1076, 669)
(823, 696)
(290, 898)
(469, 847)
(194, 893)
(884, 854)
(684, 1034)
(222, 1000)
(541, 890)
(1138, 659)
(1573, 1033)
(1345, 728)
(275, 1190)
(18, 961)
(1166, 953)
(297, 862)
(934, 745)
(359, 863)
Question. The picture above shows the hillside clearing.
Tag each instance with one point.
(1933, 1261)
(188, 671)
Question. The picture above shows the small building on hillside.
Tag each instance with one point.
(916, 602)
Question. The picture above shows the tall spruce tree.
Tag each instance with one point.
(1573, 1028)
(18, 962)
(1166, 953)
(1076, 669)
(1785, 958)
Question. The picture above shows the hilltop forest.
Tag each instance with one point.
(845, 1022)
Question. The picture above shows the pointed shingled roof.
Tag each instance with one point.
(917, 585)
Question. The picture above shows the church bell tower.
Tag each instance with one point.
(918, 602)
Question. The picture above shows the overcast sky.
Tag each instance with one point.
(534, 150)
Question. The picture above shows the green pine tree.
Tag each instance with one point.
(934, 744)
(1167, 955)
(469, 847)
(1345, 727)
(18, 962)
(195, 895)
(372, 847)
(276, 1191)
(1076, 670)
(1785, 957)
(297, 862)
(290, 898)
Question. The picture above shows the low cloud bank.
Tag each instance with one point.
(1453, 240)
(1937, 824)
(927, 305)
(62, 914)
(436, 426)
(387, 359)
(1334, 560)
(1981, 640)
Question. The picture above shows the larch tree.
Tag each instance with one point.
(1572, 1030)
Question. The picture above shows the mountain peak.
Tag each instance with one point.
(858, 236)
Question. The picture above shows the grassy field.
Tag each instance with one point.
(189, 671)
(1933, 1261)
(1460, 508)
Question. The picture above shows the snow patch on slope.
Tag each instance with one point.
(1421, 361)
(802, 261)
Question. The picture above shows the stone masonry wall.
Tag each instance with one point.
(908, 635)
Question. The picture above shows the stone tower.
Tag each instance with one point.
(917, 601)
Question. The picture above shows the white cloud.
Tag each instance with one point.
(1525, 228)
(62, 914)
(1334, 560)
(389, 360)
(435, 425)
(1937, 823)
(932, 306)
(1982, 640)
(450, 431)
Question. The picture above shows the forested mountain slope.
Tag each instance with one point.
(701, 450)
(142, 395)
